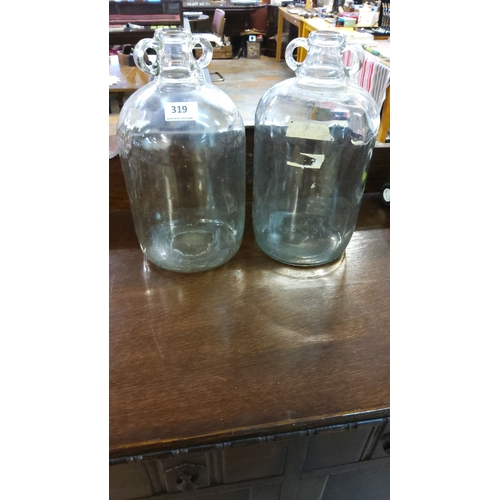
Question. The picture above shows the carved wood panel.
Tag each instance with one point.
(343, 462)
(242, 463)
(336, 447)
(129, 481)
(370, 483)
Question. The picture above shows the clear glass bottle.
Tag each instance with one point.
(314, 138)
(182, 147)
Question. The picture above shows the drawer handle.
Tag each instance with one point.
(186, 479)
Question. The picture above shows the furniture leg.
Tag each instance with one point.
(385, 118)
(303, 33)
(119, 98)
(279, 37)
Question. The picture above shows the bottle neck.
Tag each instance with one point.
(177, 65)
(176, 62)
(322, 66)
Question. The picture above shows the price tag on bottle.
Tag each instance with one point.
(309, 130)
(181, 111)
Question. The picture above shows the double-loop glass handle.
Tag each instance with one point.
(153, 68)
(356, 62)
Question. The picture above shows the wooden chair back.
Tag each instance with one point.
(218, 22)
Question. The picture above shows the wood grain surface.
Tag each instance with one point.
(248, 349)
(130, 78)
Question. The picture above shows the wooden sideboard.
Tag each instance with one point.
(239, 17)
(256, 380)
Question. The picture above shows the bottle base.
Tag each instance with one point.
(302, 240)
(192, 247)
(304, 263)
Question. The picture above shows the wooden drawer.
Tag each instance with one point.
(129, 481)
(341, 462)
(242, 463)
(338, 446)
(237, 471)
(369, 480)
(370, 483)
(232, 464)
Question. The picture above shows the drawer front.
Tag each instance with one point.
(371, 483)
(344, 462)
(362, 481)
(337, 447)
(140, 488)
(240, 471)
(243, 463)
(269, 492)
(129, 481)
(183, 473)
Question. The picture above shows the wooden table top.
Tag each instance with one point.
(252, 348)
(131, 77)
(292, 18)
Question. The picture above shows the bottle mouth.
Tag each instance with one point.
(328, 38)
(172, 35)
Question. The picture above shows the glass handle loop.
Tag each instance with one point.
(139, 53)
(358, 59)
(295, 43)
(206, 51)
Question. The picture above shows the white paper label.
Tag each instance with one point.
(181, 111)
(309, 130)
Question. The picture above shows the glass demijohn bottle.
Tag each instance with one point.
(314, 138)
(182, 147)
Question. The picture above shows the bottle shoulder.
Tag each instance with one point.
(164, 107)
(292, 98)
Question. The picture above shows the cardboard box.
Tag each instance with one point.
(126, 59)
(224, 52)
(126, 56)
